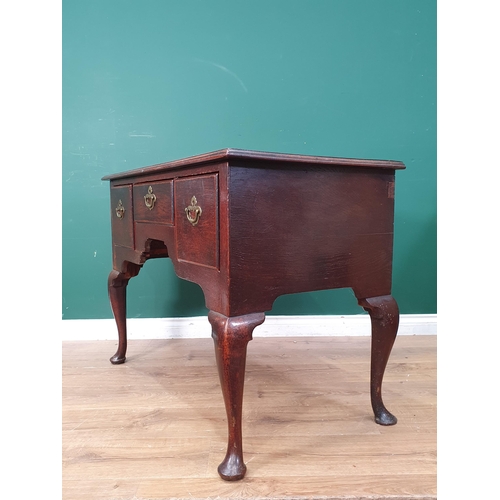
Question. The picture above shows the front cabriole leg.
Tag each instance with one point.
(231, 336)
(384, 314)
(117, 289)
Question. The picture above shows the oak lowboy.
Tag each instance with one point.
(249, 226)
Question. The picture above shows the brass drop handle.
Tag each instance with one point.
(150, 198)
(193, 211)
(120, 210)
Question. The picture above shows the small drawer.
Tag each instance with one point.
(122, 221)
(197, 220)
(153, 202)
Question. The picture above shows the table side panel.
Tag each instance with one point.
(304, 229)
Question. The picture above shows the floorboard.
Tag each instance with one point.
(155, 427)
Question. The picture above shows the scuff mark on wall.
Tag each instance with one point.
(133, 134)
(223, 68)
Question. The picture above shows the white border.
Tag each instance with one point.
(274, 326)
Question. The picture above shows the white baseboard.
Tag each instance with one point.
(274, 326)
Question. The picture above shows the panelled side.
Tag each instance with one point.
(295, 229)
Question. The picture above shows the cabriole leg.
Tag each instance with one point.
(231, 336)
(117, 289)
(384, 314)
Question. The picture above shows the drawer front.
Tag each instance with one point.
(153, 202)
(197, 220)
(122, 221)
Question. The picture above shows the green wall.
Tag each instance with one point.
(156, 80)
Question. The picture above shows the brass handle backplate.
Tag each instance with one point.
(120, 210)
(193, 211)
(150, 198)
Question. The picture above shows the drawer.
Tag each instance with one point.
(122, 221)
(197, 220)
(153, 202)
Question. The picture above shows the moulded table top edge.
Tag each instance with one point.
(242, 154)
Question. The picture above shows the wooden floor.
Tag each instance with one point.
(155, 427)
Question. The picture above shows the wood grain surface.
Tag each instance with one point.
(155, 427)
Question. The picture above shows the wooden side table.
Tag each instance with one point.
(249, 226)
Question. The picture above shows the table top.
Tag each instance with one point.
(259, 156)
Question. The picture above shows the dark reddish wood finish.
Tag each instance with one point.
(269, 224)
(163, 208)
(122, 228)
(231, 336)
(117, 289)
(202, 240)
(384, 314)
